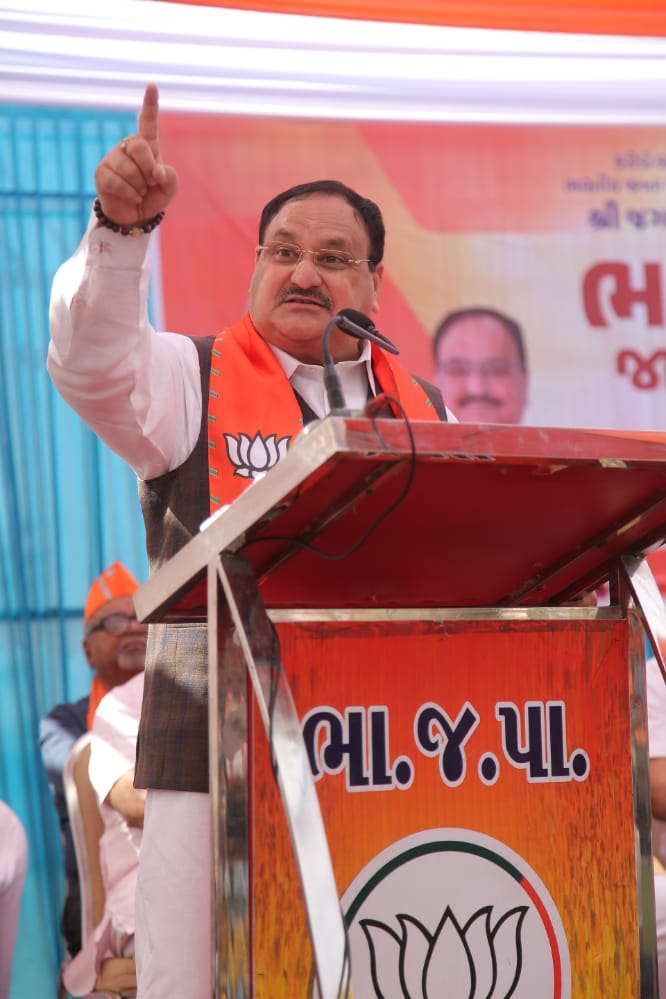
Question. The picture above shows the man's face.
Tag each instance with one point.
(479, 373)
(290, 303)
(115, 656)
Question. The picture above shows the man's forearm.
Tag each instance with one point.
(132, 386)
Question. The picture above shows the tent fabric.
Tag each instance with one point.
(68, 507)
(221, 60)
(604, 17)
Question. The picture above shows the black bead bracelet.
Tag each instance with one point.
(126, 230)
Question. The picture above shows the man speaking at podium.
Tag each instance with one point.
(177, 409)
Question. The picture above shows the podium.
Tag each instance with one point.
(425, 766)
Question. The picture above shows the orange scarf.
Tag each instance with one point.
(97, 692)
(253, 413)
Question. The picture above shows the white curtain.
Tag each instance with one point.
(208, 59)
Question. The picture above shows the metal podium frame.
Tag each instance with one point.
(451, 518)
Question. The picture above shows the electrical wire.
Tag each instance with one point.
(371, 411)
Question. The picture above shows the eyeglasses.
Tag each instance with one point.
(489, 367)
(289, 255)
(116, 624)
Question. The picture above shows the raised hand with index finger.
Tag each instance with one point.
(133, 184)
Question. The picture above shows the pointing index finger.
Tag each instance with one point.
(149, 114)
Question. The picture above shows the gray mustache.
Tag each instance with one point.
(315, 294)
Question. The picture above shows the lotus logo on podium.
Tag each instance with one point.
(454, 912)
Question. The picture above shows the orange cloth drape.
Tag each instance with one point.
(97, 692)
(601, 17)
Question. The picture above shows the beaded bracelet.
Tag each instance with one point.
(126, 230)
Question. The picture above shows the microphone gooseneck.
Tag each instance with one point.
(360, 326)
(332, 385)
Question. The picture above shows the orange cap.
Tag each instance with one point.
(115, 581)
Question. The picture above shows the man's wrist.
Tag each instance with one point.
(140, 229)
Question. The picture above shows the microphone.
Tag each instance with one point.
(332, 384)
(358, 325)
(361, 326)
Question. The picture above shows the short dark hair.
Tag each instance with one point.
(370, 212)
(478, 311)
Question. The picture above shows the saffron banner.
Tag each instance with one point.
(561, 228)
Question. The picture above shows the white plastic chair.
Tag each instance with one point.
(117, 976)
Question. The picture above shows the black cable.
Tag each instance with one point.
(275, 669)
(345, 971)
(372, 410)
(375, 404)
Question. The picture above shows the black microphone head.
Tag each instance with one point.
(361, 326)
(365, 322)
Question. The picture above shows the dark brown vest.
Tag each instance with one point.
(172, 748)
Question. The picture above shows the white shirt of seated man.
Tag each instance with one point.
(111, 770)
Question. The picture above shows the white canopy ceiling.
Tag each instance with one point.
(209, 59)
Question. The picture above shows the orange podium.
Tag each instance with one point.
(428, 767)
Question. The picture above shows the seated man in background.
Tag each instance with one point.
(111, 769)
(13, 865)
(114, 644)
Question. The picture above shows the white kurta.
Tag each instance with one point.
(112, 754)
(13, 864)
